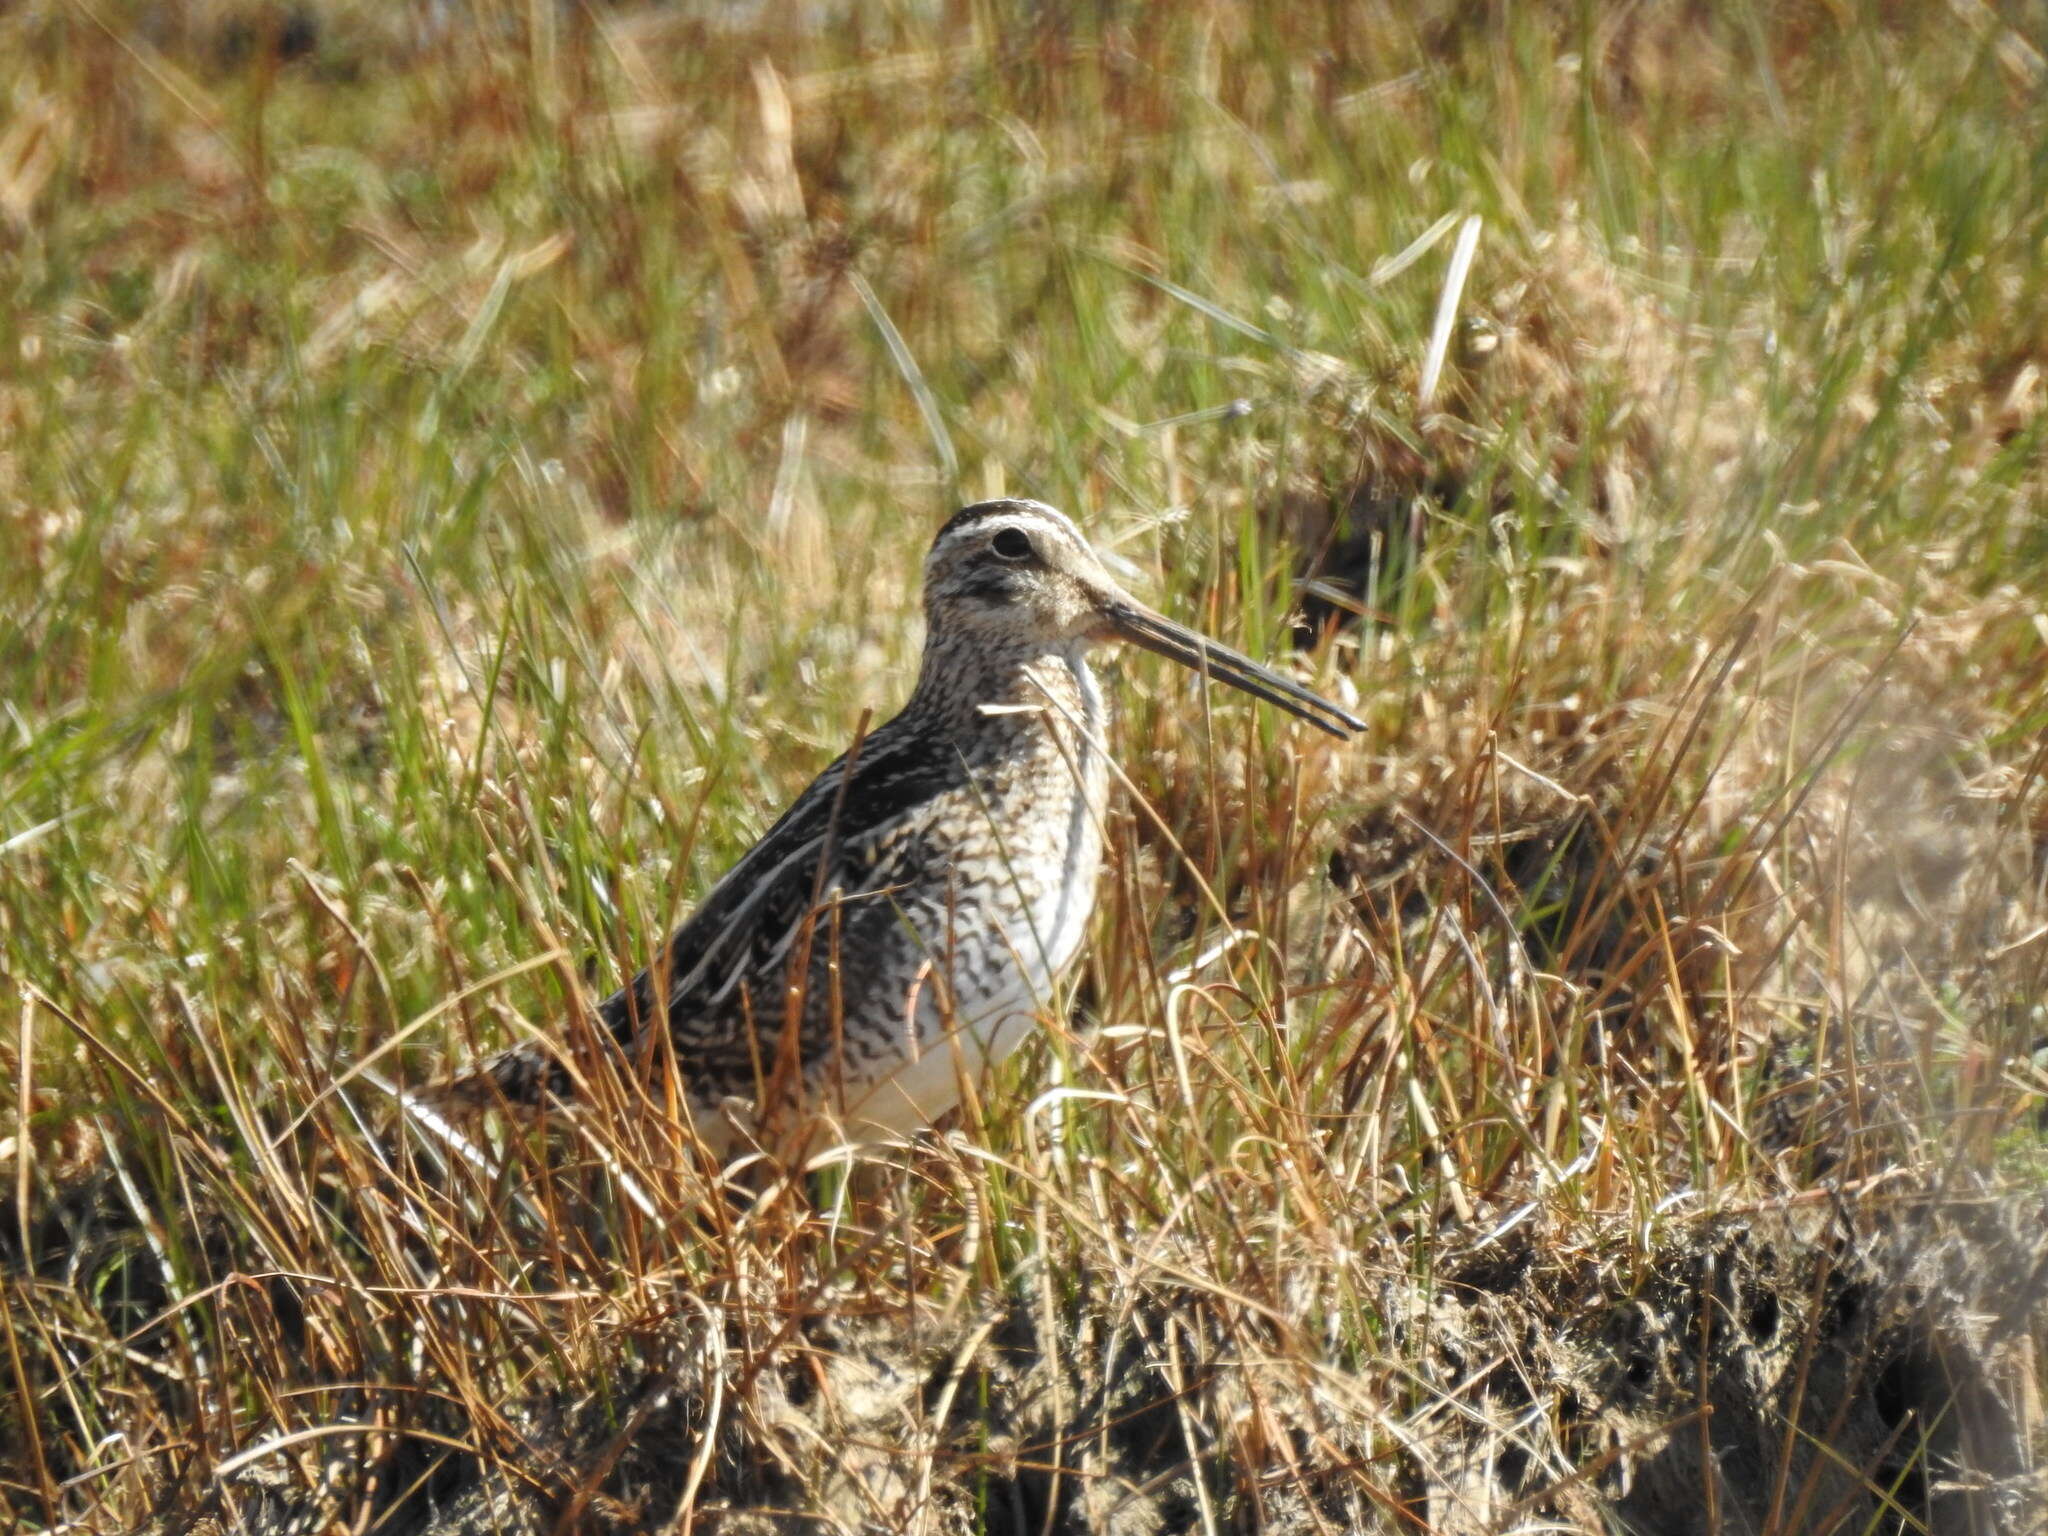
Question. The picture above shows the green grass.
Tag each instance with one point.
(456, 487)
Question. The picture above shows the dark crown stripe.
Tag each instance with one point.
(985, 509)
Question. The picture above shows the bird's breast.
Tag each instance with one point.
(1044, 829)
(989, 905)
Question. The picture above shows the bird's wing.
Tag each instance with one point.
(747, 924)
(756, 909)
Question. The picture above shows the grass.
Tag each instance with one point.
(462, 474)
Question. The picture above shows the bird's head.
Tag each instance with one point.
(1019, 573)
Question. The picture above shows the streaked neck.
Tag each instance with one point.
(968, 684)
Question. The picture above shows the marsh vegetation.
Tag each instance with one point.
(463, 468)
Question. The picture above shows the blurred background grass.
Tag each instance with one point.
(465, 467)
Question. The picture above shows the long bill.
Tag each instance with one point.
(1138, 624)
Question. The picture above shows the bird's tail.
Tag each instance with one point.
(532, 1074)
(524, 1076)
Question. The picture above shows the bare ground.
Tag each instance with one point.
(1842, 1366)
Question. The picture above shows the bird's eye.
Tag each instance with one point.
(1012, 544)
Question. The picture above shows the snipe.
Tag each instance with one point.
(903, 924)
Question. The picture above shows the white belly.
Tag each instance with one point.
(1038, 942)
(989, 1023)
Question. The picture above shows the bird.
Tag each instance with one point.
(903, 925)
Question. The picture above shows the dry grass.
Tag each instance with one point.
(461, 473)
